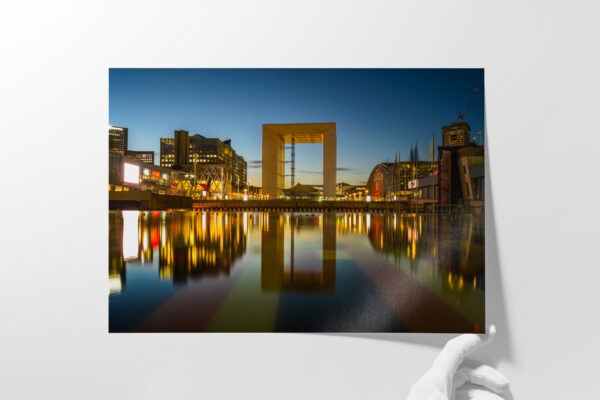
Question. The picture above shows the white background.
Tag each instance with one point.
(542, 232)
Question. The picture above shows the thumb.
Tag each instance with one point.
(455, 351)
(472, 392)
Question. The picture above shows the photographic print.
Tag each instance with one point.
(296, 200)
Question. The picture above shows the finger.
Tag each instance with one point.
(455, 351)
(488, 377)
(473, 392)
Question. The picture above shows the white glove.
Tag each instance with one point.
(452, 377)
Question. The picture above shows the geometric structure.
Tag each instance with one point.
(276, 136)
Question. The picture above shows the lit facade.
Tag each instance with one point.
(167, 152)
(274, 139)
(117, 140)
(196, 151)
(356, 193)
(128, 174)
(392, 179)
(341, 188)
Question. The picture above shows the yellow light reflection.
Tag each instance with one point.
(114, 284)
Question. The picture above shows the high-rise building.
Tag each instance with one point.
(146, 157)
(117, 140)
(167, 152)
(182, 147)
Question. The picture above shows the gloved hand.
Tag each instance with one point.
(452, 377)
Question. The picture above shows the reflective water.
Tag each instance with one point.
(295, 272)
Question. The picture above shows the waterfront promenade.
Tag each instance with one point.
(139, 200)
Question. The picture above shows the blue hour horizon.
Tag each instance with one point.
(378, 112)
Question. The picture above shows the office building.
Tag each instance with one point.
(167, 152)
(184, 151)
(117, 140)
(181, 148)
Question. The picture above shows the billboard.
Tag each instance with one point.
(131, 173)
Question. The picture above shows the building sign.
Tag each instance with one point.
(155, 174)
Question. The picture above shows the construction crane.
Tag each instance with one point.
(461, 115)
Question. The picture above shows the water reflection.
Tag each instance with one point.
(444, 252)
(186, 244)
(452, 244)
(327, 272)
(301, 272)
(194, 247)
(116, 262)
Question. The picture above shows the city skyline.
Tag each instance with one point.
(399, 248)
(379, 112)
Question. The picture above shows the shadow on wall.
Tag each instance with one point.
(500, 347)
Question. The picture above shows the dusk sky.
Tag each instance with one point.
(378, 112)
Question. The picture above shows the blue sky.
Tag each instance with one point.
(378, 112)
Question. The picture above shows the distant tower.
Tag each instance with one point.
(417, 152)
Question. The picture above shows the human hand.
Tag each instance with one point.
(452, 377)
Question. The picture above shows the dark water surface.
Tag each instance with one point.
(295, 272)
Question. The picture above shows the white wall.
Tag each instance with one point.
(542, 105)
